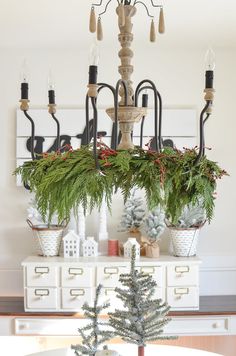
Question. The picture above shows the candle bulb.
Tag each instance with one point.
(210, 66)
(24, 82)
(51, 89)
(94, 60)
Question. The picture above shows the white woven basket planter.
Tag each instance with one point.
(48, 239)
(184, 241)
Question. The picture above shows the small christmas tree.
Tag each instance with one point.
(93, 334)
(143, 318)
(155, 224)
(133, 214)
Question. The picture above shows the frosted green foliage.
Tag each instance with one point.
(192, 216)
(143, 318)
(93, 334)
(133, 214)
(155, 223)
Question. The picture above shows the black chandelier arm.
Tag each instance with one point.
(141, 3)
(58, 141)
(105, 10)
(201, 132)
(123, 83)
(154, 5)
(87, 119)
(158, 121)
(95, 129)
(32, 133)
(204, 122)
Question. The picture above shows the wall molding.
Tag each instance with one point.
(217, 277)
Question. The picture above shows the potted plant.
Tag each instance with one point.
(184, 234)
(154, 226)
(48, 236)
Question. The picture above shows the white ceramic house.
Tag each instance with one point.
(90, 247)
(128, 247)
(71, 242)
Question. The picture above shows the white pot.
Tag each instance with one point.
(184, 241)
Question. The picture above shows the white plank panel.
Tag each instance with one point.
(176, 122)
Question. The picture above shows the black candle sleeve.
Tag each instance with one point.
(24, 91)
(145, 100)
(51, 96)
(209, 79)
(93, 72)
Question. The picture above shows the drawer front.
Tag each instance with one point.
(184, 274)
(74, 298)
(156, 272)
(108, 295)
(75, 276)
(43, 276)
(109, 276)
(183, 297)
(41, 298)
(199, 325)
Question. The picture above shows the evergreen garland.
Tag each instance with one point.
(63, 181)
(93, 334)
(143, 318)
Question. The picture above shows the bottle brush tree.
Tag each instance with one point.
(144, 316)
(134, 212)
(94, 334)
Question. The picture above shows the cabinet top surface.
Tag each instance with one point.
(100, 260)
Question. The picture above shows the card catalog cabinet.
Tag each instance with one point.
(58, 284)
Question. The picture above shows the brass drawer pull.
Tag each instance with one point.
(77, 292)
(181, 291)
(111, 270)
(76, 271)
(41, 292)
(109, 292)
(148, 270)
(41, 270)
(182, 269)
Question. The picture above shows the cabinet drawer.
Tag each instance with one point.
(108, 295)
(155, 271)
(199, 325)
(74, 298)
(75, 276)
(43, 276)
(41, 298)
(109, 276)
(184, 274)
(183, 297)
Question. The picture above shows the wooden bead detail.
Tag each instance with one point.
(121, 15)
(92, 21)
(152, 32)
(161, 27)
(92, 90)
(52, 108)
(209, 94)
(24, 106)
(99, 30)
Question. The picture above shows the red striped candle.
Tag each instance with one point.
(113, 248)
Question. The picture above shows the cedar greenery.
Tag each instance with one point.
(63, 181)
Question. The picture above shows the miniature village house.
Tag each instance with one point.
(128, 247)
(90, 247)
(71, 243)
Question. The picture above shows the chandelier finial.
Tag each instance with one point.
(92, 21)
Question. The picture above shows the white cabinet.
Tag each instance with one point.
(58, 284)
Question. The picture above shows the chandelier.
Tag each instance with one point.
(126, 109)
